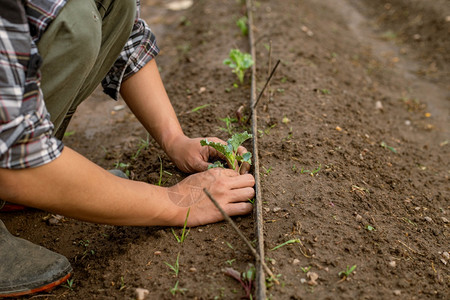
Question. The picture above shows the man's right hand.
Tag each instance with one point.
(231, 190)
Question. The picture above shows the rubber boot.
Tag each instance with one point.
(26, 268)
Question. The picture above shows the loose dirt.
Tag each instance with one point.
(353, 138)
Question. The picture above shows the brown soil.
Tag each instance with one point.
(379, 196)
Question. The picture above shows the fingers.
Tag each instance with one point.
(241, 181)
(241, 195)
(238, 209)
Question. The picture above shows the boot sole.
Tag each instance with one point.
(45, 288)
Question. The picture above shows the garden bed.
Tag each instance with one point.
(353, 152)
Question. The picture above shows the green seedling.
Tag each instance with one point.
(384, 145)
(370, 228)
(175, 268)
(325, 91)
(286, 243)
(69, 133)
(239, 62)
(184, 234)
(229, 245)
(230, 150)
(306, 269)
(228, 123)
(252, 201)
(231, 261)
(143, 145)
(161, 172)
(200, 107)
(176, 289)
(123, 166)
(267, 171)
(69, 284)
(122, 283)
(245, 278)
(242, 24)
(344, 274)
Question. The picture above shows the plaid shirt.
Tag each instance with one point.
(25, 127)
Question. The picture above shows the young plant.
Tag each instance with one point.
(285, 243)
(245, 278)
(161, 171)
(184, 234)
(344, 274)
(143, 144)
(175, 268)
(242, 24)
(240, 62)
(176, 289)
(228, 123)
(230, 150)
(69, 284)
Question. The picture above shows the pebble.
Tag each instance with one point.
(312, 278)
(266, 209)
(446, 255)
(407, 122)
(417, 208)
(397, 292)
(428, 219)
(444, 219)
(379, 105)
(157, 253)
(193, 270)
(444, 261)
(141, 293)
(392, 264)
(358, 218)
(296, 261)
(303, 280)
(276, 209)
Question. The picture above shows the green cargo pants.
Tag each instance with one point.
(78, 49)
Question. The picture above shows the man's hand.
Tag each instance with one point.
(232, 192)
(190, 157)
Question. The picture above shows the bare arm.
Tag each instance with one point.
(75, 187)
(146, 96)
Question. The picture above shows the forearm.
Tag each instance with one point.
(146, 96)
(73, 186)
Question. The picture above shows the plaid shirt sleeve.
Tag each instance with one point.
(139, 50)
(25, 127)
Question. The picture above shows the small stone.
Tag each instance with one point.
(193, 270)
(119, 107)
(303, 280)
(200, 230)
(417, 36)
(296, 261)
(397, 292)
(338, 128)
(157, 253)
(327, 269)
(378, 105)
(141, 293)
(358, 218)
(276, 209)
(392, 264)
(446, 255)
(428, 219)
(447, 19)
(444, 219)
(273, 261)
(202, 90)
(407, 122)
(417, 208)
(313, 276)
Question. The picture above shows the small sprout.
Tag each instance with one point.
(306, 269)
(245, 278)
(267, 171)
(242, 24)
(325, 91)
(240, 62)
(69, 133)
(184, 234)
(122, 283)
(286, 243)
(344, 274)
(231, 261)
(200, 107)
(370, 228)
(384, 145)
(176, 289)
(69, 284)
(143, 145)
(176, 267)
(229, 245)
